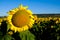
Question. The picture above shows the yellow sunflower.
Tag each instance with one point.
(0, 21)
(35, 17)
(20, 19)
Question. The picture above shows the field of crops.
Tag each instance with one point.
(44, 28)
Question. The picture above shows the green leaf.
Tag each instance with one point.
(7, 37)
(0, 37)
(1, 33)
(8, 26)
(26, 35)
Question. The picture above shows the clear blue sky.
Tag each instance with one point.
(37, 6)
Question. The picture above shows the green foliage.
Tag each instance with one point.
(3, 32)
(26, 35)
(46, 30)
(7, 37)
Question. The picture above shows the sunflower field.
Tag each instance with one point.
(21, 24)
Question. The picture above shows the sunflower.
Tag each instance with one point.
(20, 19)
(35, 17)
(0, 21)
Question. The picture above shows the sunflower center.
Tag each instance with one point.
(20, 18)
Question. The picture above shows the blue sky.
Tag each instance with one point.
(37, 6)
